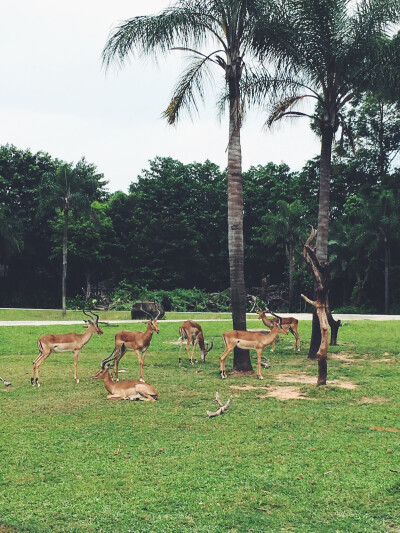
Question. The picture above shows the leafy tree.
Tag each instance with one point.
(286, 227)
(329, 48)
(91, 241)
(70, 190)
(193, 26)
(171, 227)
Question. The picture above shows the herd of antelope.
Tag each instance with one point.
(189, 331)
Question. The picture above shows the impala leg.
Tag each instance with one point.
(143, 395)
(222, 362)
(141, 363)
(120, 354)
(114, 397)
(187, 351)
(194, 349)
(36, 364)
(259, 355)
(180, 350)
(273, 346)
(76, 355)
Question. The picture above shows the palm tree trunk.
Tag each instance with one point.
(323, 225)
(241, 359)
(64, 265)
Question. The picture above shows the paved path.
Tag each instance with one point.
(299, 316)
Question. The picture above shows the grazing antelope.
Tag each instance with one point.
(191, 332)
(127, 389)
(65, 342)
(288, 323)
(249, 340)
(136, 341)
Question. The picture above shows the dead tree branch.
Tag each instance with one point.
(222, 407)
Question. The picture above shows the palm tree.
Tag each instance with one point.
(329, 48)
(193, 26)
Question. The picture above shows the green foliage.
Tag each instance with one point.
(76, 462)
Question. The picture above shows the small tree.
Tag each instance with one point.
(70, 190)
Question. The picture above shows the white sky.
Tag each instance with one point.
(56, 97)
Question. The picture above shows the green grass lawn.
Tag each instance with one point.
(71, 461)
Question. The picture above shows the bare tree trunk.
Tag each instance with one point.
(64, 265)
(323, 225)
(88, 286)
(291, 276)
(387, 263)
(241, 358)
(321, 278)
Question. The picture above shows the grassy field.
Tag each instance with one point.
(327, 460)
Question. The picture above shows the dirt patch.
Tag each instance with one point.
(343, 357)
(247, 387)
(302, 377)
(374, 399)
(382, 428)
(286, 393)
(175, 343)
(383, 361)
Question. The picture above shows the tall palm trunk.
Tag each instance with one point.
(323, 224)
(64, 264)
(241, 359)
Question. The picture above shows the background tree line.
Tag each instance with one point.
(169, 231)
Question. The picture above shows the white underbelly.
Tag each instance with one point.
(245, 345)
(61, 349)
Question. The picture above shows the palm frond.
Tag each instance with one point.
(284, 108)
(189, 89)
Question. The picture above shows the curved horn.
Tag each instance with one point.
(108, 359)
(148, 314)
(276, 316)
(159, 309)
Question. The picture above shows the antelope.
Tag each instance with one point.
(249, 340)
(127, 389)
(136, 341)
(65, 342)
(191, 332)
(288, 323)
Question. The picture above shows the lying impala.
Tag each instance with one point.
(136, 341)
(288, 323)
(127, 389)
(65, 342)
(249, 340)
(191, 332)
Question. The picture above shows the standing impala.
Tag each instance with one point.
(288, 323)
(191, 332)
(127, 389)
(136, 341)
(249, 340)
(65, 342)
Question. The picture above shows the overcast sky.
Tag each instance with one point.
(56, 97)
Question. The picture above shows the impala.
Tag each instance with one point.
(127, 389)
(65, 342)
(288, 323)
(249, 340)
(191, 332)
(136, 341)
